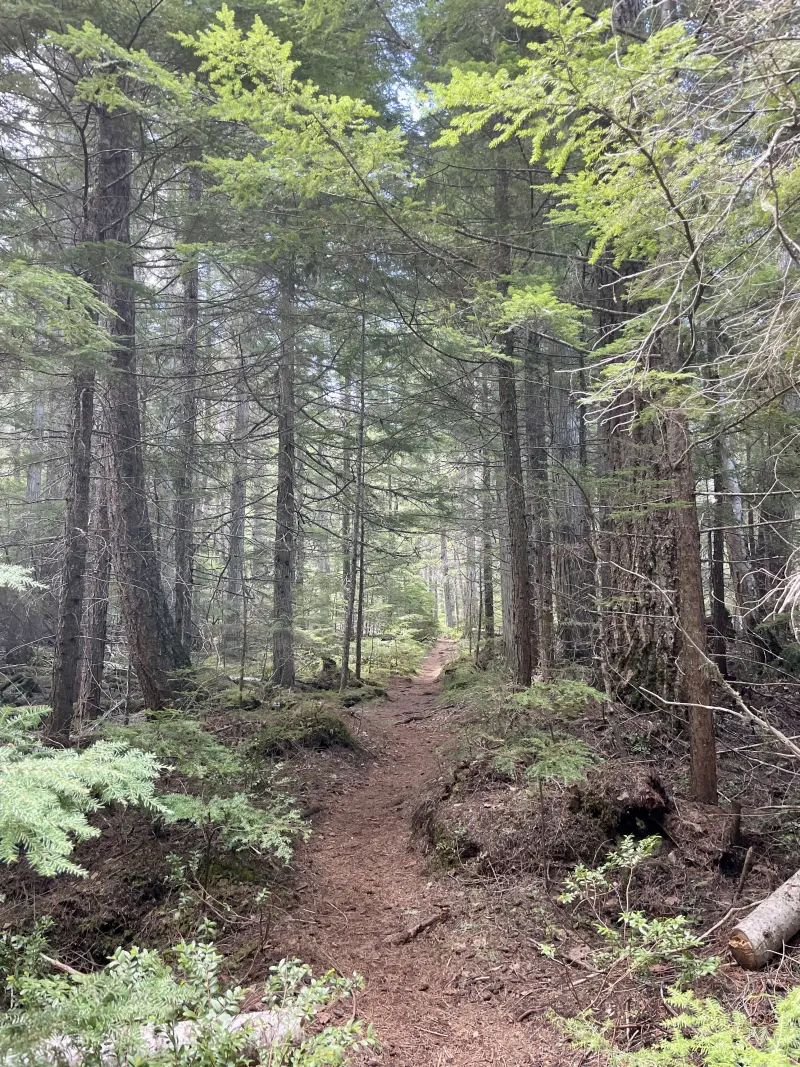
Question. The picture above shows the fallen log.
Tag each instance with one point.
(761, 936)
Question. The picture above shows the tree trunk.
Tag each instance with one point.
(447, 586)
(234, 584)
(94, 646)
(539, 504)
(720, 620)
(152, 640)
(745, 586)
(352, 577)
(283, 667)
(521, 648)
(33, 487)
(695, 681)
(187, 441)
(67, 649)
(761, 937)
(360, 607)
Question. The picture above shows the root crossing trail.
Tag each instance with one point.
(366, 888)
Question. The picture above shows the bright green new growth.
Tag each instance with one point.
(236, 823)
(40, 306)
(702, 1033)
(568, 697)
(543, 758)
(18, 579)
(47, 794)
(175, 739)
(228, 816)
(639, 941)
(141, 1010)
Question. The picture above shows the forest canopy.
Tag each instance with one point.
(331, 329)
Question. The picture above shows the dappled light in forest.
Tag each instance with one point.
(400, 579)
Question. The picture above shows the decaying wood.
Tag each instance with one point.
(420, 928)
(762, 935)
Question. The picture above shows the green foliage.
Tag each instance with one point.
(139, 1009)
(316, 143)
(18, 579)
(301, 727)
(39, 308)
(21, 955)
(560, 759)
(486, 692)
(292, 989)
(47, 794)
(790, 657)
(639, 942)
(18, 726)
(566, 698)
(586, 885)
(542, 758)
(644, 943)
(702, 1033)
(235, 823)
(178, 740)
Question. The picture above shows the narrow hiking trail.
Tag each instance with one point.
(363, 886)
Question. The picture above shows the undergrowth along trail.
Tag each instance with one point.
(365, 892)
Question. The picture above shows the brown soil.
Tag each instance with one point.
(435, 999)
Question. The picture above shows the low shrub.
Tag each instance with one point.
(179, 740)
(47, 794)
(143, 1009)
(286, 730)
(702, 1033)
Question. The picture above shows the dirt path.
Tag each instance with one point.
(365, 885)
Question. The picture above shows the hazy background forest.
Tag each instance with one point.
(331, 329)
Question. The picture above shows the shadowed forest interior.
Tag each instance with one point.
(400, 572)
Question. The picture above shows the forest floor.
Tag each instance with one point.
(437, 877)
(440, 996)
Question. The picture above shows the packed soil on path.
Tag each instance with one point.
(364, 886)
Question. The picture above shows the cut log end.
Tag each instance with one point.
(761, 936)
(744, 953)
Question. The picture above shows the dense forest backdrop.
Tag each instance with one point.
(328, 327)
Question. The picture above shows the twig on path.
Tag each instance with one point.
(420, 928)
(436, 1033)
(413, 718)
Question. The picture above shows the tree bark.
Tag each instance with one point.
(234, 584)
(695, 681)
(447, 587)
(521, 649)
(761, 937)
(67, 649)
(539, 505)
(360, 606)
(283, 666)
(94, 646)
(720, 620)
(33, 486)
(352, 577)
(152, 640)
(187, 441)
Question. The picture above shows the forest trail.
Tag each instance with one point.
(365, 886)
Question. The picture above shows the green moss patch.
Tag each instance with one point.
(287, 730)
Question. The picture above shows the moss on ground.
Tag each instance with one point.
(288, 729)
